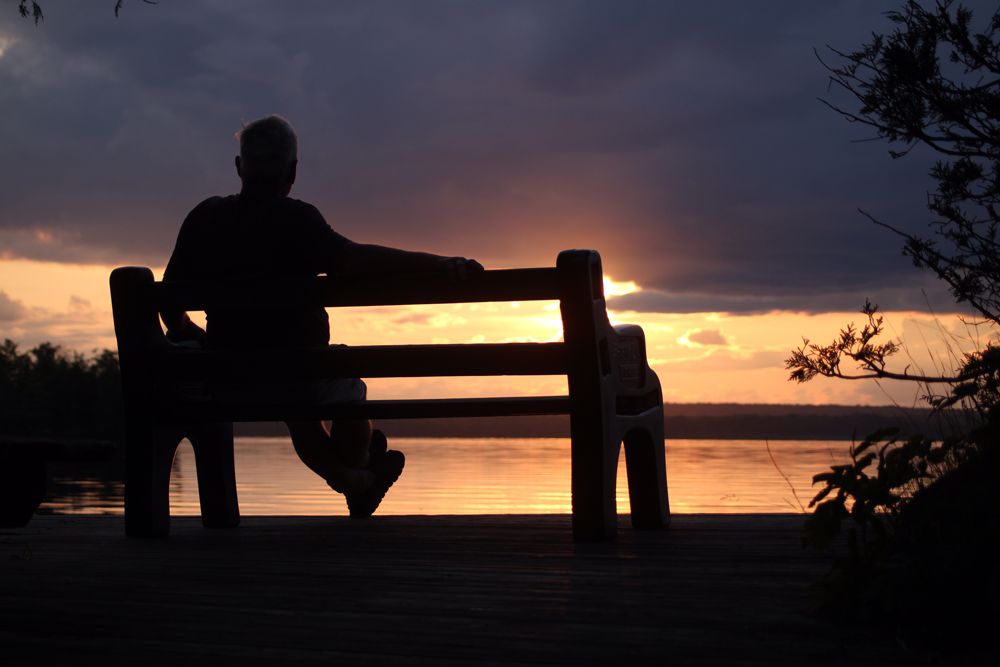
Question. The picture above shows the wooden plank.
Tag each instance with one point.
(430, 288)
(369, 361)
(394, 409)
(397, 590)
(55, 449)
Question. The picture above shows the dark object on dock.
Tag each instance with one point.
(22, 471)
(614, 397)
(421, 590)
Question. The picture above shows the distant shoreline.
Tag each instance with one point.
(683, 421)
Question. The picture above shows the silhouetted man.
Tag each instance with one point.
(263, 233)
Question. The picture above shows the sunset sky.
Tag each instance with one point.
(682, 140)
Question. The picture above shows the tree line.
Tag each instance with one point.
(47, 391)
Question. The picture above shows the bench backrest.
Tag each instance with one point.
(150, 362)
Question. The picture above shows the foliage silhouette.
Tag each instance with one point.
(909, 96)
(36, 10)
(46, 392)
(921, 532)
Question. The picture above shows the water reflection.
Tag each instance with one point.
(89, 495)
(487, 476)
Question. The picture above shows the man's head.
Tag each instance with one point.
(268, 155)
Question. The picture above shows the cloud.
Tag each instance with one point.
(682, 140)
(721, 360)
(11, 310)
(923, 294)
(79, 326)
(5, 43)
(705, 337)
(592, 52)
(418, 318)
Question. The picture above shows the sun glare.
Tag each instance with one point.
(612, 288)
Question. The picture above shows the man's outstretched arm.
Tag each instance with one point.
(362, 259)
(354, 259)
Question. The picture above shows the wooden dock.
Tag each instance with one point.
(418, 590)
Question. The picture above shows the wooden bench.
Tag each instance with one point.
(23, 477)
(614, 396)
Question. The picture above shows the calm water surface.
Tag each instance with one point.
(490, 476)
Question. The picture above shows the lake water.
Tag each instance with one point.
(489, 476)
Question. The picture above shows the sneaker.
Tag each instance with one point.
(387, 469)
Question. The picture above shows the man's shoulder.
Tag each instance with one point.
(214, 203)
(298, 205)
(301, 215)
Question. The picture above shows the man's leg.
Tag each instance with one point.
(350, 439)
(334, 458)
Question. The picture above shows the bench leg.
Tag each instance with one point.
(595, 471)
(645, 464)
(213, 451)
(149, 454)
(22, 489)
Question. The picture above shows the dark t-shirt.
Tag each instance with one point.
(240, 237)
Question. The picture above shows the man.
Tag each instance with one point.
(264, 233)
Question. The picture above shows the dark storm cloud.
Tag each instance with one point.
(925, 295)
(683, 140)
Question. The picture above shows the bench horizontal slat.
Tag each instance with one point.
(55, 449)
(410, 409)
(430, 288)
(366, 361)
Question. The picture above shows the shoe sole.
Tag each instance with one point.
(387, 470)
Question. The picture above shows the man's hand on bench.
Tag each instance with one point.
(365, 259)
(458, 268)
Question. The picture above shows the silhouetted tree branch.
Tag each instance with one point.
(36, 10)
(909, 96)
(811, 360)
(909, 502)
(933, 81)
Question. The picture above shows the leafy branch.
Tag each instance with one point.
(908, 97)
(874, 501)
(811, 360)
(36, 10)
(920, 536)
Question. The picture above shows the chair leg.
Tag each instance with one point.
(645, 464)
(213, 450)
(149, 453)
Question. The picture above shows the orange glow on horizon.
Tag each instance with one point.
(700, 357)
